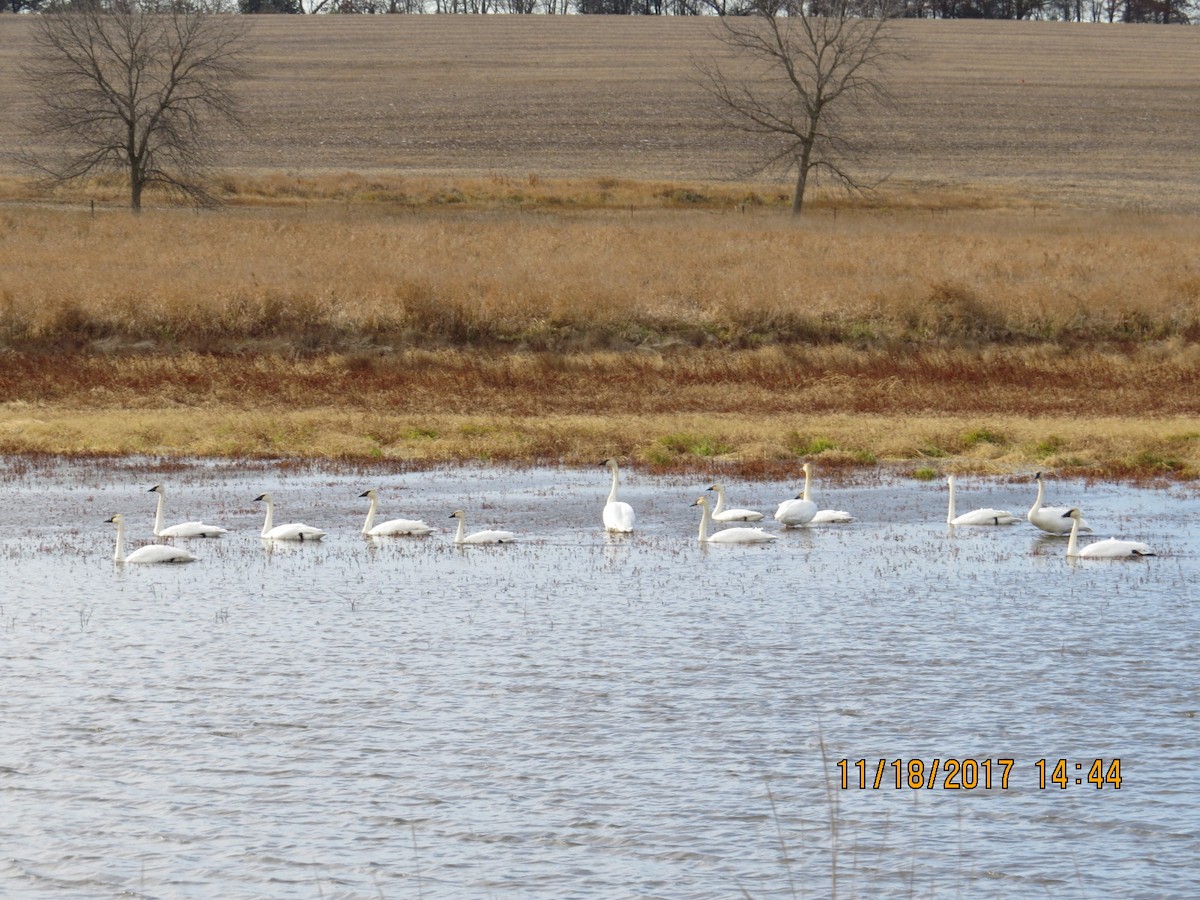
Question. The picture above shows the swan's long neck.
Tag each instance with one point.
(704, 514)
(269, 521)
(1073, 542)
(462, 527)
(950, 514)
(612, 495)
(158, 514)
(119, 555)
(1037, 503)
(720, 501)
(807, 482)
(370, 516)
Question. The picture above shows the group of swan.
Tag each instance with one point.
(1057, 520)
(801, 510)
(728, 535)
(294, 531)
(619, 517)
(162, 553)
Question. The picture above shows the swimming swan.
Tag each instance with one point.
(479, 537)
(1052, 519)
(618, 516)
(292, 532)
(721, 514)
(391, 527)
(823, 516)
(728, 535)
(1109, 549)
(183, 529)
(151, 553)
(799, 511)
(978, 516)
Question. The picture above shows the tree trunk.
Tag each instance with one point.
(801, 184)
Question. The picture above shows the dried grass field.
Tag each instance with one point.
(523, 238)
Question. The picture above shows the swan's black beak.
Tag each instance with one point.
(153, 489)
(260, 497)
(364, 494)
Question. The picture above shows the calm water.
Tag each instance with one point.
(583, 716)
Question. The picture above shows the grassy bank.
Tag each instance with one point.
(754, 412)
(682, 329)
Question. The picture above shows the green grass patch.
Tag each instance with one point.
(984, 436)
(693, 445)
(802, 445)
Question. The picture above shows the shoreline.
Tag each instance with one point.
(1133, 450)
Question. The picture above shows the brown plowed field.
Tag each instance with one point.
(1078, 113)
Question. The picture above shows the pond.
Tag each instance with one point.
(585, 715)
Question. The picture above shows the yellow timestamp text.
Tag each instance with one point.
(968, 774)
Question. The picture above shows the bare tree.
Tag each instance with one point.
(135, 88)
(798, 66)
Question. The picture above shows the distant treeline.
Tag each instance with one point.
(1161, 12)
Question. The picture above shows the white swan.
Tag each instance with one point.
(1052, 519)
(291, 532)
(978, 516)
(479, 537)
(392, 527)
(183, 529)
(728, 535)
(721, 514)
(1108, 549)
(151, 553)
(798, 511)
(618, 516)
(823, 516)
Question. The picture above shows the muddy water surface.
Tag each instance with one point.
(578, 715)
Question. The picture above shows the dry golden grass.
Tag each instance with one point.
(337, 277)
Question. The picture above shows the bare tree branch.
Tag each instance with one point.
(129, 87)
(792, 68)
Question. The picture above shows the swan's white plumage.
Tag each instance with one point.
(183, 529)
(822, 516)
(617, 516)
(392, 527)
(294, 531)
(151, 553)
(721, 514)
(487, 536)
(728, 535)
(1112, 548)
(791, 513)
(985, 516)
(1051, 519)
